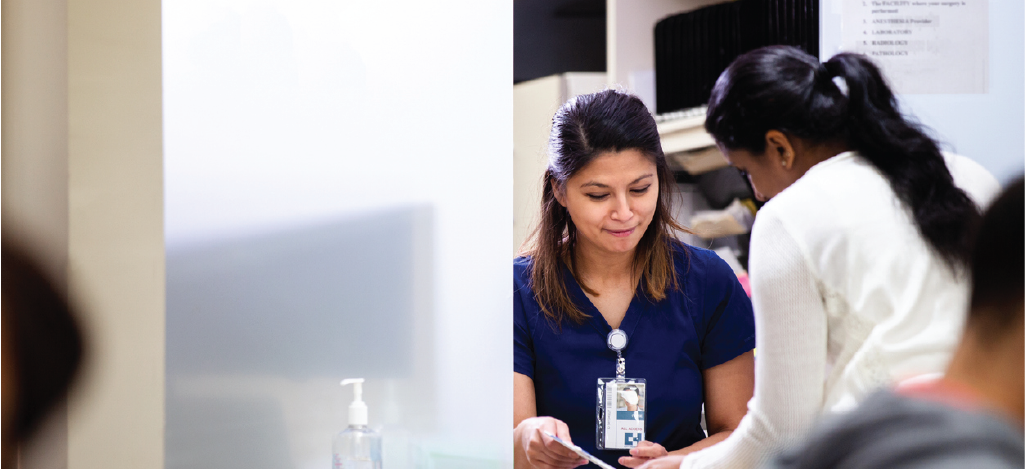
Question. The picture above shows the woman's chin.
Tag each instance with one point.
(622, 245)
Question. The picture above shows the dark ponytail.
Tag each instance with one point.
(846, 99)
(911, 160)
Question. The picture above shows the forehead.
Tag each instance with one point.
(616, 166)
(737, 156)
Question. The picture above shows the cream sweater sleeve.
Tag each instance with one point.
(790, 331)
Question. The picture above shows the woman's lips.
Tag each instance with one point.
(621, 233)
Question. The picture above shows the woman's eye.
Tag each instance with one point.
(597, 196)
(641, 190)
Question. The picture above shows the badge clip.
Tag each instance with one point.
(617, 341)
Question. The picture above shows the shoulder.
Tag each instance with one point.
(831, 176)
(522, 264)
(824, 187)
(972, 178)
(772, 221)
(521, 271)
(694, 261)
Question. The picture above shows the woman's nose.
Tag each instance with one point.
(622, 211)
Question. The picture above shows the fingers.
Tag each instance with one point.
(542, 463)
(544, 452)
(670, 462)
(647, 449)
(545, 460)
(547, 450)
(562, 431)
(559, 429)
(555, 451)
(632, 462)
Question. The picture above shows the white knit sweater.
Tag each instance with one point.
(847, 297)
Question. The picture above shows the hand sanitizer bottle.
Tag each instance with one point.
(357, 447)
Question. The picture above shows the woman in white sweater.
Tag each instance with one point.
(857, 259)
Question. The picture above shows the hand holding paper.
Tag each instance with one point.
(537, 435)
(576, 449)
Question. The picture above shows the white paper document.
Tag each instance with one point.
(580, 452)
(922, 46)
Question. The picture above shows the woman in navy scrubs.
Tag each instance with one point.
(604, 257)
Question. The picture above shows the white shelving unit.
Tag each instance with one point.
(686, 144)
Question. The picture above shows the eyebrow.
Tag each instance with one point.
(603, 186)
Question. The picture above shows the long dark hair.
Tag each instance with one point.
(583, 129)
(846, 99)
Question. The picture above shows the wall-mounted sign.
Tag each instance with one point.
(923, 46)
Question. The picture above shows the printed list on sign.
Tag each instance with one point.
(924, 46)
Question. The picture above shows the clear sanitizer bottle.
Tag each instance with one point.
(357, 447)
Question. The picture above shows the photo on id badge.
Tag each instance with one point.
(623, 413)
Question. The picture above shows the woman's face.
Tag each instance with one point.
(767, 175)
(612, 200)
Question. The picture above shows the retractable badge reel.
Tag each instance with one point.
(621, 406)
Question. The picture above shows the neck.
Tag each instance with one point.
(592, 264)
(993, 369)
(815, 153)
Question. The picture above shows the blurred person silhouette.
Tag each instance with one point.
(42, 348)
(972, 417)
(859, 257)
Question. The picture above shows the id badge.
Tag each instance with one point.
(621, 412)
(621, 403)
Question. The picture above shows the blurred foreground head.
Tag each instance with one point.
(998, 269)
(991, 356)
(42, 347)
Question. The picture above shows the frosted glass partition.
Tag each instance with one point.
(261, 326)
(338, 197)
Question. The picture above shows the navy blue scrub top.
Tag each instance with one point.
(707, 322)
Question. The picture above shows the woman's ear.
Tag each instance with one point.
(559, 193)
(779, 148)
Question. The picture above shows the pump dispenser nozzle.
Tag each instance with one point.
(358, 446)
(358, 408)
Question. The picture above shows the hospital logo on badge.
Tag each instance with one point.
(633, 438)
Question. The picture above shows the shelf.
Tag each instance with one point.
(687, 145)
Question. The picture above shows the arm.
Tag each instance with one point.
(531, 448)
(728, 388)
(524, 405)
(790, 324)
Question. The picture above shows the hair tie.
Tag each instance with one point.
(841, 84)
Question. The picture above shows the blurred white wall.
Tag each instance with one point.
(306, 143)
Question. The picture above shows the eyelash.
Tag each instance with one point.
(603, 196)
